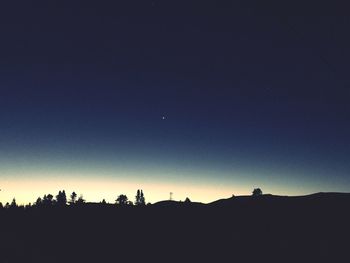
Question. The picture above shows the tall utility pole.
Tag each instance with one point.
(171, 196)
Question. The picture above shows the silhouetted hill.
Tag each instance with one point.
(267, 228)
(268, 199)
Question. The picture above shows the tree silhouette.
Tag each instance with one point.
(257, 192)
(1, 206)
(61, 199)
(13, 203)
(122, 200)
(187, 200)
(103, 202)
(73, 198)
(140, 198)
(48, 200)
(137, 197)
(38, 202)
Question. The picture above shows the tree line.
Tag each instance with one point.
(61, 200)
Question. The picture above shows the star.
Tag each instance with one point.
(163, 117)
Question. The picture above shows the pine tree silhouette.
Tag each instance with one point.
(13, 203)
(140, 198)
(61, 199)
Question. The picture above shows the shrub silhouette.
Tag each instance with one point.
(80, 200)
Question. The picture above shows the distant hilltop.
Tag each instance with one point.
(323, 197)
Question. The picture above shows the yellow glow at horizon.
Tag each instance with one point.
(26, 190)
(26, 185)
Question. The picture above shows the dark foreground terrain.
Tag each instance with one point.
(267, 228)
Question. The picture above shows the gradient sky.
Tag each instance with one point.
(254, 94)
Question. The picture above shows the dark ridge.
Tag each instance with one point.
(266, 228)
(324, 197)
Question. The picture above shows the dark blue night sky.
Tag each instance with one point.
(202, 98)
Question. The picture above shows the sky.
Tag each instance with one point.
(203, 99)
